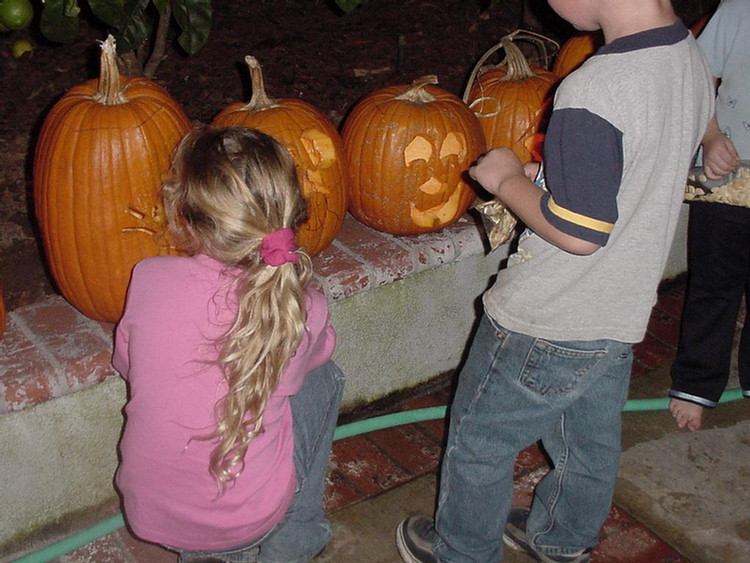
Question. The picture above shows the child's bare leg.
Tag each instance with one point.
(686, 414)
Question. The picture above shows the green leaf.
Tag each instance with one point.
(71, 8)
(127, 18)
(194, 19)
(161, 5)
(348, 6)
(111, 12)
(55, 24)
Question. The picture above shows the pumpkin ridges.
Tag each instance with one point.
(287, 119)
(91, 158)
(302, 117)
(386, 193)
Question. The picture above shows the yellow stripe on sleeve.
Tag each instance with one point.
(578, 219)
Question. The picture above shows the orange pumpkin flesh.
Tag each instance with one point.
(408, 148)
(317, 150)
(99, 162)
(510, 102)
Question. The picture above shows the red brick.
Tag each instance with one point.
(27, 376)
(468, 236)
(617, 520)
(340, 274)
(430, 250)
(144, 552)
(530, 459)
(437, 428)
(340, 492)
(665, 328)
(672, 301)
(78, 346)
(652, 353)
(369, 469)
(409, 447)
(385, 259)
(639, 368)
(523, 486)
(108, 549)
(633, 544)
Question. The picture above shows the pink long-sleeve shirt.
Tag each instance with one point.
(165, 348)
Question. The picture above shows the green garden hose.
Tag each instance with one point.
(344, 431)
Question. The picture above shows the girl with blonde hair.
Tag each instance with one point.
(233, 396)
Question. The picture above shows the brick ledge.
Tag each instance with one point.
(50, 349)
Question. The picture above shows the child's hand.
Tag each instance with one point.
(719, 155)
(493, 168)
(531, 170)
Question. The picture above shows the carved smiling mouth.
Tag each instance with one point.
(452, 153)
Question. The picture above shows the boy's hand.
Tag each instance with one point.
(719, 154)
(531, 170)
(493, 168)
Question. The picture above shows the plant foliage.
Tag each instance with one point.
(132, 22)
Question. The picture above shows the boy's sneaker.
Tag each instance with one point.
(414, 540)
(515, 537)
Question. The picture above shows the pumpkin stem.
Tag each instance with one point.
(517, 73)
(259, 100)
(109, 92)
(416, 94)
(518, 66)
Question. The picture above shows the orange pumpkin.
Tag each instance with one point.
(699, 24)
(99, 162)
(316, 147)
(408, 148)
(509, 101)
(575, 50)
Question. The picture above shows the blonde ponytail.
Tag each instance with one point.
(231, 188)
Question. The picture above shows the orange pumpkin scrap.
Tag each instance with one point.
(699, 24)
(575, 50)
(408, 148)
(99, 162)
(314, 144)
(510, 102)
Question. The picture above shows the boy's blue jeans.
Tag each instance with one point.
(305, 529)
(513, 391)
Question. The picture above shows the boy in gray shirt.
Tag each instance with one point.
(552, 357)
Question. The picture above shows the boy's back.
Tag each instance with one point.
(621, 139)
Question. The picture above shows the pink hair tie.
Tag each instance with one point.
(278, 248)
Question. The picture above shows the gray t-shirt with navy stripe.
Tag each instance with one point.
(619, 144)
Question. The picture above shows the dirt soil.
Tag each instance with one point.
(308, 50)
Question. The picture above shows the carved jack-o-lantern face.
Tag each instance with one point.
(407, 150)
(437, 170)
(316, 148)
(315, 158)
(321, 155)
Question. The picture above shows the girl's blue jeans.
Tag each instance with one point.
(513, 391)
(305, 530)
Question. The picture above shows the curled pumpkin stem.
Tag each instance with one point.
(504, 43)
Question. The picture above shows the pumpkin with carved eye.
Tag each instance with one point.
(100, 159)
(315, 146)
(511, 102)
(408, 149)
